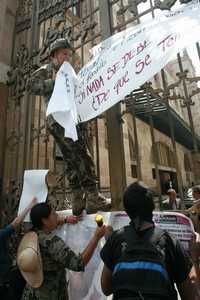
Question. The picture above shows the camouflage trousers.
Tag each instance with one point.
(80, 170)
(50, 290)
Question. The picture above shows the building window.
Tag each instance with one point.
(153, 173)
(131, 147)
(187, 163)
(134, 171)
(132, 156)
(165, 156)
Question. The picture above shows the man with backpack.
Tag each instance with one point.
(144, 262)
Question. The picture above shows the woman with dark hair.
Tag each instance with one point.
(56, 256)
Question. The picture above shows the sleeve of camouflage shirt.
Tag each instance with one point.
(64, 255)
(41, 82)
(41, 87)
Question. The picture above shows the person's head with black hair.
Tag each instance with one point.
(138, 203)
(43, 217)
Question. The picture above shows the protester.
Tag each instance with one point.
(195, 253)
(194, 210)
(79, 164)
(196, 193)
(11, 282)
(172, 202)
(55, 257)
(142, 261)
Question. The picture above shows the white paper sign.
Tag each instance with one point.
(34, 185)
(62, 102)
(128, 59)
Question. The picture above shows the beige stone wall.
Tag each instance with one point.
(145, 153)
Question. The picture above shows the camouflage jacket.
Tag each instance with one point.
(56, 256)
(42, 81)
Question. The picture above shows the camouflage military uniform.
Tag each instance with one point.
(79, 164)
(55, 258)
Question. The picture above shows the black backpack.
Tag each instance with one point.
(140, 271)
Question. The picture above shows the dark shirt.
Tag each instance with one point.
(5, 259)
(177, 262)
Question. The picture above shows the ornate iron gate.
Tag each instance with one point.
(85, 23)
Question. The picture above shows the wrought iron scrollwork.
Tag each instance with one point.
(24, 64)
(66, 31)
(167, 4)
(132, 6)
(164, 5)
(13, 140)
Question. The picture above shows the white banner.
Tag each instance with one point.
(130, 58)
(87, 285)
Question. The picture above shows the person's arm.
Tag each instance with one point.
(195, 254)
(6, 232)
(67, 258)
(41, 87)
(183, 272)
(190, 288)
(89, 250)
(69, 220)
(106, 281)
(22, 215)
(41, 82)
(109, 254)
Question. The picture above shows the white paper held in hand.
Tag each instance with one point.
(34, 185)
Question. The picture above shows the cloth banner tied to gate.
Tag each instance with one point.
(128, 59)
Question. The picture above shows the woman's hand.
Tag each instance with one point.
(72, 219)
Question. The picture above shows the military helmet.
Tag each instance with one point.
(58, 44)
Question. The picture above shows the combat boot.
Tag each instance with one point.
(78, 202)
(95, 201)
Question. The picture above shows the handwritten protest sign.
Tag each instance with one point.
(86, 285)
(130, 58)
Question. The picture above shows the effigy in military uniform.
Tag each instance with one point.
(79, 165)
